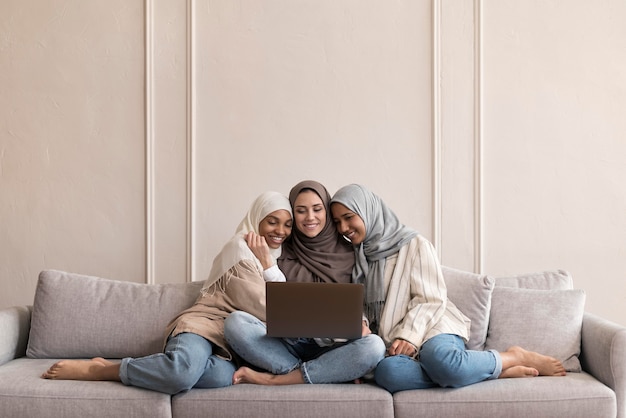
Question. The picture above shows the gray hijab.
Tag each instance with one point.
(384, 236)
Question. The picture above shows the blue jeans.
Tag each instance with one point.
(443, 362)
(187, 362)
(338, 363)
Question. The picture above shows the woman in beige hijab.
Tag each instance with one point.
(195, 353)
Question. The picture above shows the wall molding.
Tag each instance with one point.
(436, 127)
(478, 137)
(191, 142)
(149, 141)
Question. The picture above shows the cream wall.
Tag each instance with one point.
(135, 133)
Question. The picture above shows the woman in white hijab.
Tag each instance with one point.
(407, 304)
(195, 353)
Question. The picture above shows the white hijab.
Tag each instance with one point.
(236, 249)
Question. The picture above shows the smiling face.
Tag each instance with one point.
(348, 223)
(309, 213)
(275, 228)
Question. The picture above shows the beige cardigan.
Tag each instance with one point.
(242, 288)
(416, 302)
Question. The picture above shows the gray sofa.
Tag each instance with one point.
(75, 316)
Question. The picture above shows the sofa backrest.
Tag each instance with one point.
(78, 316)
(472, 293)
(539, 311)
(14, 326)
(543, 280)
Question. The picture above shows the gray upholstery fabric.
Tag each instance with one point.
(78, 316)
(604, 353)
(302, 401)
(550, 279)
(23, 393)
(14, 324)
(471, 293)
(545, 321)
(577, 395)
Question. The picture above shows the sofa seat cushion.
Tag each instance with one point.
(78, 316)
(572, 396)
(302, 401)
(23, 393)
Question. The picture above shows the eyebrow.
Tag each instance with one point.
(347, 212)
(305, 206)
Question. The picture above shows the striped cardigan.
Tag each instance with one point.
(416, 304)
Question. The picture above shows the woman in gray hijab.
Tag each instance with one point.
(407, 306)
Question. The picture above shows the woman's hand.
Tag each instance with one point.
(365, 330)
(260, 249)
(402, 347)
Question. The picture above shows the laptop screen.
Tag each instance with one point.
(314, 310)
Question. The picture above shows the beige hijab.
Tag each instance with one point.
(236, 249)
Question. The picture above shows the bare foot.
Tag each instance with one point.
(518, 371)
(545, 365)
(247, 375)
(94, 369)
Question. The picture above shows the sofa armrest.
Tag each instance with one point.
(14, 329)
(603, 354)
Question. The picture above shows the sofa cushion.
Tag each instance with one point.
(14, 325)
(549, 279)
(545, 321)
(23, 393)
(577, 395)
(471, 293)
(344, 400)
(78, 316)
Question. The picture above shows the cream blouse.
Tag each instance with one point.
(416, 303)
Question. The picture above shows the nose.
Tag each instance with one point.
(341, 227)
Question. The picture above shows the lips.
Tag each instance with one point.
(275, 240)
(349, 235)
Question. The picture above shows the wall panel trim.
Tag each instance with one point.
(478, 137)
(436, 126)
(149, 140)
(191, 141)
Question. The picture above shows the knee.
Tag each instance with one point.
(385, 371)
(180, 383)
(234, 322)
(374, 346)
(443, 365)
(370, 350)
(388, 371)
(236, 318)
(183, 376)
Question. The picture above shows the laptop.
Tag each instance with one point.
(314, 310)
